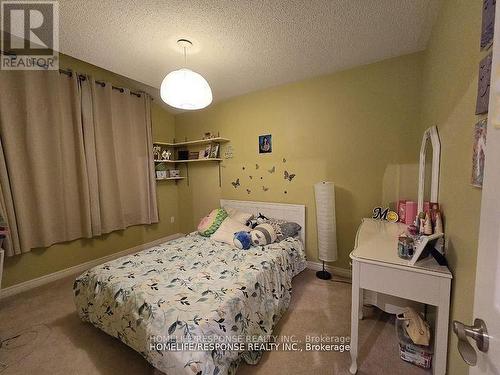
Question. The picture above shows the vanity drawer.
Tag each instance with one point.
(416, 286)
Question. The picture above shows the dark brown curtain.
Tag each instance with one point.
(43, 176)
(75, 159)
(117, 128)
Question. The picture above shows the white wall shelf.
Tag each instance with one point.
(170, 179)
(187, 161)
(197, 142)
(188, 145)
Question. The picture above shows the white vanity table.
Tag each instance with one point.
(376, 266)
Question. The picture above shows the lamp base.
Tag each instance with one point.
(323, 275)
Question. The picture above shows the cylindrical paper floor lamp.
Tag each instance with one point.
(326, 225)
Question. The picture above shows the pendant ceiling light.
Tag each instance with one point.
(185, 89)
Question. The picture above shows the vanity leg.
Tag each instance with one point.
(355, 315)
(441, 334)
(361, 300)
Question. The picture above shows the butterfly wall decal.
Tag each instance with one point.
(284, 160)
(265, 188)
(250, 177)
(289, 176)
(249, 191)
(236, 183)
(256, 166)
(272, 170)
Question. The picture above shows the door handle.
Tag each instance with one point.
(478, 333)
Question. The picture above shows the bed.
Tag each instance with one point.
(193, 305)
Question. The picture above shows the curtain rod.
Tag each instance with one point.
(69, 73)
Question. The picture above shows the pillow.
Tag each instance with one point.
(210, 223)
(284, 229)
(263, 234)
(227, 229)
(238, 215)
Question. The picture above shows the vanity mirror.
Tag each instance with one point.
(434, 241)
(431, 137)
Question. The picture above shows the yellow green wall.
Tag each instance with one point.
(40, 262)
(360, 128)
(346, 127)
(449, 89)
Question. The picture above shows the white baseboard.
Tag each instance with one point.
(336, 271)
(33, 283)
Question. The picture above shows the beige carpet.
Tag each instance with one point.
(55, 341)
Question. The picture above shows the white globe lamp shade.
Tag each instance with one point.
(185, 89)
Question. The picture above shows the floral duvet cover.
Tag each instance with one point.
(191, 305)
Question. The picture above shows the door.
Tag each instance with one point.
(487, 292)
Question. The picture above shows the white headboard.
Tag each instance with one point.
(289, 212)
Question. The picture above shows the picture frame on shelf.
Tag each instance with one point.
(156, 152)
(175, 173)
(214, 151)
(207, 150)
(183, 154)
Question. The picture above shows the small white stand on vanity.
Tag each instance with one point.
(377, 267)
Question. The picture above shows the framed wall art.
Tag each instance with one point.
(265, 144)
(488, 24)
(483, 85)
(478, 153)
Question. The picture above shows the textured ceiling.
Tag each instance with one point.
(242, 45)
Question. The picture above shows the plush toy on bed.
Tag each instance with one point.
(253, 222)
(263, 234)
(242, 240)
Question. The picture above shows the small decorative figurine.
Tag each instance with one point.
(165, 155)
(380, 213)
(421, 222)
(439, 223)
(428, 224)
(161, 175)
